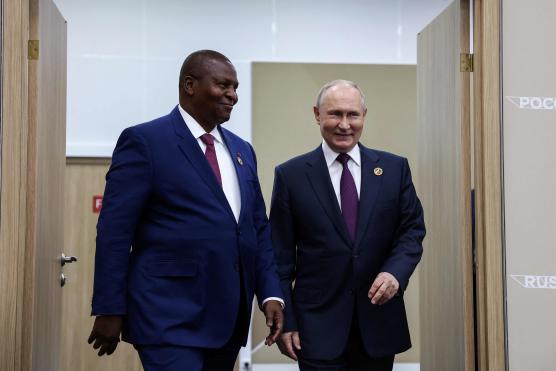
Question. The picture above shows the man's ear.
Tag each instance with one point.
(187, 85)
(317, 114)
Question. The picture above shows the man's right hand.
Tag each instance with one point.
(106, 334)
(287, 342)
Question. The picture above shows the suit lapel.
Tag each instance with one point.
(236, 154)
(370, 187)
(190, 148)
(319, 177)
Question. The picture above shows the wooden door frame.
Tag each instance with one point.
(488, 186)
(15, 318)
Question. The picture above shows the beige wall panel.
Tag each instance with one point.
(529, 152)
(84, 179)
(284, 126)
(445, 184)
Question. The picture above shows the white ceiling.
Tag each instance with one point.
(329, 31)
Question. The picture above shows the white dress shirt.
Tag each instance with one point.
(230, 182)
(335, 168)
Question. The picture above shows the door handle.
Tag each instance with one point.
(67, 259)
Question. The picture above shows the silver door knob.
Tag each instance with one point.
(63, 279)
(67, 259)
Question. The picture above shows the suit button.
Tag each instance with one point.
(236, 267)
(238, 232)
(355, 256)
(351, 292)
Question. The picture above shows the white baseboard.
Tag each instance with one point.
(406, 367)
(275, 367)
(293, 367)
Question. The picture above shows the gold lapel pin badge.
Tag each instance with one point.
(378, 171)
(239, 160)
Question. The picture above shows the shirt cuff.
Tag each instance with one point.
(279, 300)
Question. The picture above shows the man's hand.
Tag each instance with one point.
(384, 288)
(287, 341)
(274, 320)
(106, 334)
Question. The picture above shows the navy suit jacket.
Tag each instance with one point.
(180, 281)
(332, 273)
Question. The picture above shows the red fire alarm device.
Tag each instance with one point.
(97, 204)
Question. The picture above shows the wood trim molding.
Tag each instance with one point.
(488, 187)
(88, 160)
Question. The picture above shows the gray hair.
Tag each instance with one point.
(331, 84)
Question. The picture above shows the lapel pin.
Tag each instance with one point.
(378, 171)
(239, 160)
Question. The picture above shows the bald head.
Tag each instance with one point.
(197, 63)
(324, 90)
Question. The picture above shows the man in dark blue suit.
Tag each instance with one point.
(347, 227)
(183, 241)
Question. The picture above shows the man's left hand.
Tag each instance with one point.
(274, 320)
(106, 334)
(384, 288)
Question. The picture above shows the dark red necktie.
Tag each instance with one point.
(210, 154)
(348, 196)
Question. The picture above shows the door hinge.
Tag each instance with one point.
(33, 49)
(466, 62)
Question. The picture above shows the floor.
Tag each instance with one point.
(290, 367)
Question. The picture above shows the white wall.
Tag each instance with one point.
(529, 134)
(124, 55)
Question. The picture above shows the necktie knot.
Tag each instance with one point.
(208, 139)
(343, 158)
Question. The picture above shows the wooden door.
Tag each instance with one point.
(444, 182)
(85, 179)
(13, 181)
(31, 207)
(45, 179)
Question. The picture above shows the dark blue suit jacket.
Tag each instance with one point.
(180, 283)
(334, 274)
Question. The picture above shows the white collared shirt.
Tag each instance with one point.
(230, 182)
(335, 168)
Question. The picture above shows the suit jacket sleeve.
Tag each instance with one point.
(128, 185)
(407, 246)
(267, 284)
(284, 242)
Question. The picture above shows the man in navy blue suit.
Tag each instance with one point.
(347, 227)
(183, 241)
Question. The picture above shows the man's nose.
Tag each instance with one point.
(344, 122)
(232, 94)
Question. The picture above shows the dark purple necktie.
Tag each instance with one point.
(210, 154)
(348, 196)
